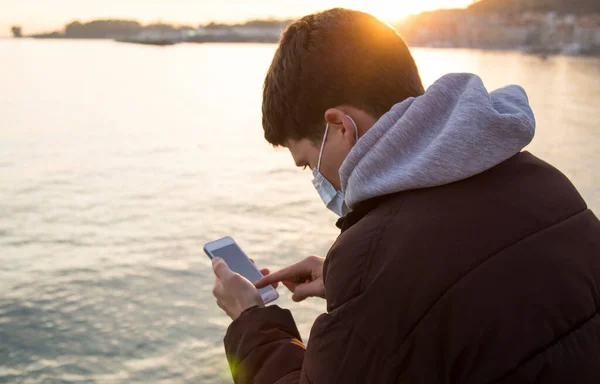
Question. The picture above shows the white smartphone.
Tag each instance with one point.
(228, 250)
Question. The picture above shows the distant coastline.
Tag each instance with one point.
(527, 26)
(254, 31)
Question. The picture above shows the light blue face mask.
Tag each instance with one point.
(333, 199)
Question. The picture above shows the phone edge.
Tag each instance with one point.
(274, 295)
(207, 248)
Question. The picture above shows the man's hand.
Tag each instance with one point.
(233, 291)
(304, 278)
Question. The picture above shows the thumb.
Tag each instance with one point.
(220, 267)
(304, 291)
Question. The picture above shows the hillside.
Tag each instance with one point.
(577, 7)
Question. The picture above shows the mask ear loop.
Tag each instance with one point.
(355, 127)
(323, 145)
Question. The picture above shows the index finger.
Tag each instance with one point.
(292, 273)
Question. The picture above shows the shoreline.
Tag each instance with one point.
(532, 51)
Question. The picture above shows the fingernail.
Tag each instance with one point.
(216, 259)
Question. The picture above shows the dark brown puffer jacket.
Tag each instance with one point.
(493, 279)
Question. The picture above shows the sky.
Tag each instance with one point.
(45, 15)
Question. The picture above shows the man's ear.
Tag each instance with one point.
(337, 119)
(334, 116)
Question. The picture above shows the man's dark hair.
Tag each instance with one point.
(336, 57)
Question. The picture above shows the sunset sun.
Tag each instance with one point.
(393, 11)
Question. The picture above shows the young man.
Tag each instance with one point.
(461, 258)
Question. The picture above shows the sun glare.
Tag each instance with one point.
(391, 11)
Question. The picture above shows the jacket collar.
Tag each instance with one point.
(360, 211)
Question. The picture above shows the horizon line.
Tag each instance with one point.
(184, 24)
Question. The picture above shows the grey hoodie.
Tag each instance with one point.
(452, 132)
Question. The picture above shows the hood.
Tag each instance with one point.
(452, 132)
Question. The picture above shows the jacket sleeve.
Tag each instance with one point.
(263, 346)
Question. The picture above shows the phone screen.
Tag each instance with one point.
(239, 263)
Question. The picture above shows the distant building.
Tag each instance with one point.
(17, 32)
(494, 32)
(546, 32)
(257, 32)
(236, 33)
(149, 33)
(208, 31)
(587, 32)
